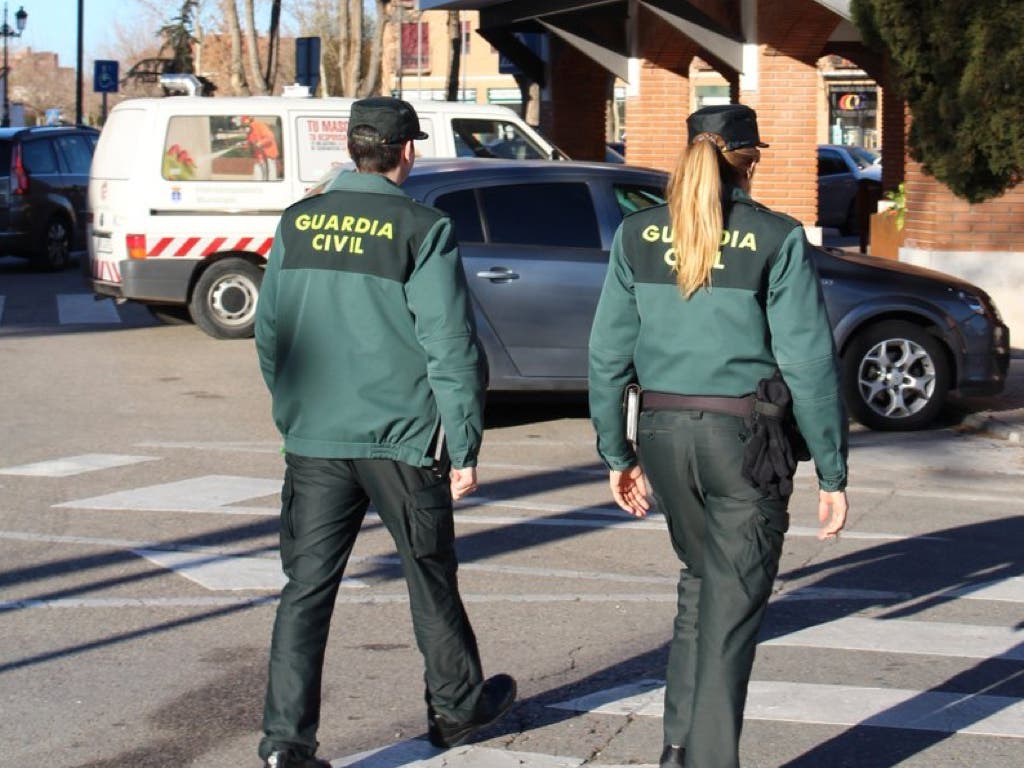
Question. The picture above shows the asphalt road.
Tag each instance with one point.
(139, 473)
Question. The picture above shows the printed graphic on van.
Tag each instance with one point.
(223, 148)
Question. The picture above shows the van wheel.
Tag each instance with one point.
(54, 251)
(895, 376)
(224, 299)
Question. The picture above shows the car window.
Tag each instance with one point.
(223, 148)
(482, 137)
(830, 162)
(635, 198)
(560, 214)
(77, 153)
(38, 156)
(864, 158)
(465, 213)
(5, 158)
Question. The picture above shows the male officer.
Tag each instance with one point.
(367, 344)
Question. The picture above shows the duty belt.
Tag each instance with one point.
(666, 401)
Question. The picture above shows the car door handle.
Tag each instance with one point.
(498, 273)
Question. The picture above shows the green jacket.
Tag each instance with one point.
(364, 329)
(764, 311)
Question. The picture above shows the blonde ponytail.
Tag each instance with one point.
(695, 207)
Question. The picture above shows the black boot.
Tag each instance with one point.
(496, 699)
(672, 757)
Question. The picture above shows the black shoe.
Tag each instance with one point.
(496, 699)
(286, 758)
(672, 757)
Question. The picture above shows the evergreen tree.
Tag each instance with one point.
(178, 38)
(960, 66)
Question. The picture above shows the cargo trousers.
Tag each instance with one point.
(728, 537)
(323, 503)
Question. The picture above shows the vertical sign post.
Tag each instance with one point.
(104, 80)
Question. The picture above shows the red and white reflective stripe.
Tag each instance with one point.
(106, 271)
(201, 247)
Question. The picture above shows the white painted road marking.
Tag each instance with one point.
(136, 602)
(82, 308)
(417, 753)
(931, 638)
(75, 465)
(210, 493)
(844, 705)
(218, 572)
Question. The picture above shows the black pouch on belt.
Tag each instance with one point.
(775, 444)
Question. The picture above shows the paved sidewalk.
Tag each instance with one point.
(1000, 416)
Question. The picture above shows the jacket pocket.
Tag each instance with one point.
(431, 524)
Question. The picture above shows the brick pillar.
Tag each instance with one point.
(787, 116)
(894, 137)
(579, 89)
(656, 116)
(792, 35)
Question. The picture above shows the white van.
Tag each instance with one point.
(185, 192)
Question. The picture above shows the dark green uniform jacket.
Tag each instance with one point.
(364, 329)
(764, 310)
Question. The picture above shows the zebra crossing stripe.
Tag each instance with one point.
(842, 705)
(930, 638)
(75, 465)
(417, 753)
(209, 493)
(82, 308)
(220, 572)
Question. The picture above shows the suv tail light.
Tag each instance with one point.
(20, 176)
(136, 245)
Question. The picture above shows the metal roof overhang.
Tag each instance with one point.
(601, 30)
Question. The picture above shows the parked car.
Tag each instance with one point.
(841, 169)
(44, 177)
(907, 336)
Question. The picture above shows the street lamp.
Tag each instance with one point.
(5, 32)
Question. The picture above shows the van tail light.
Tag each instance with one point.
(136, 246)
(20, 177)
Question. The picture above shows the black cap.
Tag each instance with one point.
(735, 123)
(395, 119)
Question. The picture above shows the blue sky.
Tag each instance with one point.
(53, 26)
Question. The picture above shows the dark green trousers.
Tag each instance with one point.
(729, 539)
(323, 502)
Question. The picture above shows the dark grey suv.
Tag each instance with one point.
(44, 175)
(534, 238)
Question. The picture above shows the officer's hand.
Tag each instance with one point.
(832, 508)
(629, 488)
(463, 482)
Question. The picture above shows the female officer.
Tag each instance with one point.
(704, 298)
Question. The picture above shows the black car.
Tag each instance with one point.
(535, 236)
(44, 175)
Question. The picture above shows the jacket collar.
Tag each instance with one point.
(353, 181)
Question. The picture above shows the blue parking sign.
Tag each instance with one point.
(104, 76)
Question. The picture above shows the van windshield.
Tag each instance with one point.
(482, 137)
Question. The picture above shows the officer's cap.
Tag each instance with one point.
(394, 119)
(735, 123)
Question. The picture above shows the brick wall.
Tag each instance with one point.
(938, 220)
(579, 90)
